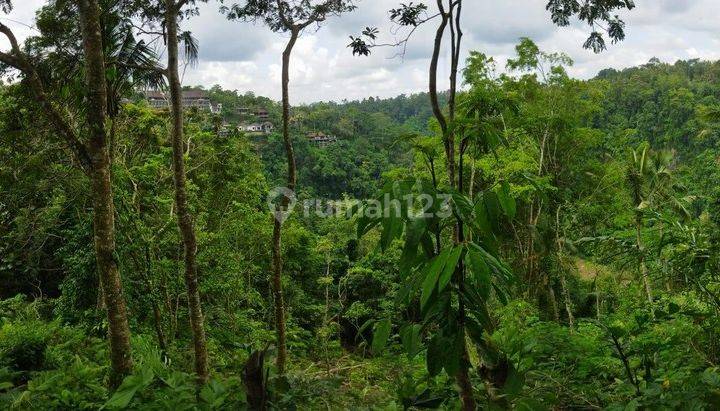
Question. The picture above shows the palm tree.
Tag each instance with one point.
(651, 186)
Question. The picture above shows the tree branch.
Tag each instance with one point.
(283, 18)
(155, 69)
(180, 4)
(19, 61)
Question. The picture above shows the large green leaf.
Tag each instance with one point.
(434, 356)
(463, 207)
(498, 269)
(432, 273)
(482, 218)
(392, 228)
(129, 387)
(410, 336)
(452, 353)
(381, 333)
(450, 265)
(480, 271)
(414, 230)
(365, 223)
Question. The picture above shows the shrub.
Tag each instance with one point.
(23, 346)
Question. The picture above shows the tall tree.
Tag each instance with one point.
(94, 158)
(169, 13)
(285, 16)
(104, 211)
(185, 221)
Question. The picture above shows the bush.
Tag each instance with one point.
(23, 346)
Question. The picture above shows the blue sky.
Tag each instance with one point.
(246, 57)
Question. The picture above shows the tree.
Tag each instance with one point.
(650, 182)
(594, 13)
(173, 9)
(410, 16)
(286, 16)
(94, 158)
(102, 186)
(169, 12)
(551, 111)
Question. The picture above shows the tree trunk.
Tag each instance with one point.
(102, 196)
(185, 221)
(462, 377)
(157, 314)
(437, 111)
(566, 298)
(553, 302)
(561, 270)
(277, 229)
(467, 398)
(641, 262)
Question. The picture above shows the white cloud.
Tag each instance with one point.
(246, 57)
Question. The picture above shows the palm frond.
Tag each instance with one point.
(190, 47)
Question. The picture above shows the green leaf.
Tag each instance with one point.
(381, 333)
(129, 387)
(480, 271)
(392, 229)
(452, 352)
(433, 358)
(529, 404)
(463, 207)
(214, 394)
(111, 73)
(515, 381)
(507, 202)
(501, 295)
(499, 270)
(427, 244)
(711, 377)
(404, 293)
(450, 265)
(431, 276)
(414, 230)
(493, 210)
(410, 336)
(365, 326)
(482, 219)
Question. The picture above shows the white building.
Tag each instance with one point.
(264, 127)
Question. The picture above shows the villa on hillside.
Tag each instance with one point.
(265, 127)
(254, 121)
(261, 114)
(321, 139)
(190, 99)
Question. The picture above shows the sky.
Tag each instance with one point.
(246, 57)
